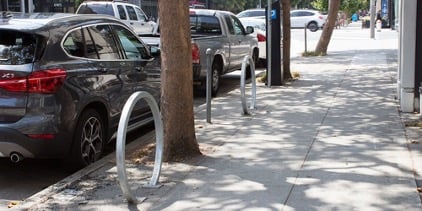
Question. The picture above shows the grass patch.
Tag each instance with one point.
(263, 77)
(311, 53)
(295, 75)
(414, 123)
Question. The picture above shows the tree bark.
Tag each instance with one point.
(285, 5)
(176, 80)
(324, 40)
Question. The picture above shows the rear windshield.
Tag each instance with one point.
(16, 47)
(106, 9)
(204, 25)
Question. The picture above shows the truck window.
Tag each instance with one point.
(132, 13)
(140, 14)
(122, 12)
(237, 26)
(96, 9)
(204, 25)
(229, 24)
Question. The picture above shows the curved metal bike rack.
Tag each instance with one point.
(121, 142)
(247, 60)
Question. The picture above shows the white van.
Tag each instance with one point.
(130, 14)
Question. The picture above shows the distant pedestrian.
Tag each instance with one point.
(379, 16)
(355, 17)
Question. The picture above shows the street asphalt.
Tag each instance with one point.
(334, 139)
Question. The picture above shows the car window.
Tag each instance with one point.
(101, 42)
(258, 13)
(73, 44)
(204, 25)
(131, 12)
(140, 14)
(133, 48)
(16, 47)
(95, 42)
(307, 14)
(122, 13)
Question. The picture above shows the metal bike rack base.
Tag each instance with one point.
(245, 110)
(121, 142)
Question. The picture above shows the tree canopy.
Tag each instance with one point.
(347, 6)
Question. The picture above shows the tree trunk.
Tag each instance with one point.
(324, 40)
(285, 5)
(176, 80)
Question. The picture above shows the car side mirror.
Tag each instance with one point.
(155, 50)
(249, 30)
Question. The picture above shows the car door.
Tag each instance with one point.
(239, 41)
(102, 49)
(300, 18)
(135, 58)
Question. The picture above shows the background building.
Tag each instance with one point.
(410, 54)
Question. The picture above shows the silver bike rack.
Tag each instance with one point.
(208, 84)
(247, 60)
(121, 142)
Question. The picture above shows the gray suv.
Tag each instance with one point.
(64, 79)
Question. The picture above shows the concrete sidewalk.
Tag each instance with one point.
(332, 140)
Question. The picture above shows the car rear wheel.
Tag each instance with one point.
(312, 26)
(89, 139)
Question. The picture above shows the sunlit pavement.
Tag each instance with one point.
(332, 140)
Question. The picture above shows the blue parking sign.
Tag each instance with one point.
(273, 15)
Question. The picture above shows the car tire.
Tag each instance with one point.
(312, 26)
(255, 60)
(215, 79)
(88, 140)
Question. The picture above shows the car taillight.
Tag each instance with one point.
(42, 81)
(261, 38)
(321, 17)
(195, 53)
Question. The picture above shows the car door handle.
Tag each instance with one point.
(102, 69)
(139, 69)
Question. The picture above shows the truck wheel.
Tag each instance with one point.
(89, 139)
(215, 81)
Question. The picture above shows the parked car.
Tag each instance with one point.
(312, 19)
(130, 14)
(260, 31)
(64, 79)
(256, 12)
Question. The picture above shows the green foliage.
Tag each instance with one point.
(348, 6)
(311, 54)
(321, 5)
(236, 6)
